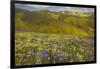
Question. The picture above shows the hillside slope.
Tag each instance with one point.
(45, 21)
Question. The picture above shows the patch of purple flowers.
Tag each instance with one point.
(44, 54)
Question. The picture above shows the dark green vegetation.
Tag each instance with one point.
(44, 37)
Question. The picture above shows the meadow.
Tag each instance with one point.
(39, 48)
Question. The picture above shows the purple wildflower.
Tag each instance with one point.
(43, 54)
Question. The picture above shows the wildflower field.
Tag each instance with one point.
(53, 34)
(39, 48)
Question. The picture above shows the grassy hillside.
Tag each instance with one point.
(53, 22)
